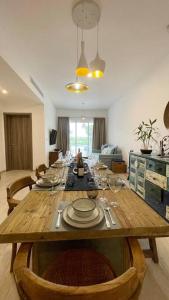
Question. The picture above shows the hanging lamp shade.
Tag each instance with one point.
(97, 67)
(77, 87)
(82, 67)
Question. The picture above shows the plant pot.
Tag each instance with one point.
(146, 151)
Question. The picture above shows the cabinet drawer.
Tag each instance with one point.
(140, 182)
(157, 179)
(132, 182)
(153, 197)
(153, 191)
(156, 166)
(141, 162)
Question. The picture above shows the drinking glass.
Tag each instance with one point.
(62, 179)
(53, 178)
(115, 184)
(103, 185)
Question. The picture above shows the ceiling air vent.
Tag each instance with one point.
(36, 86)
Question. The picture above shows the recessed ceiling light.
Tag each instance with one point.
(5, 92)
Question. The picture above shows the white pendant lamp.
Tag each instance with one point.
(77, 86)
(97, 66)
(82, 67)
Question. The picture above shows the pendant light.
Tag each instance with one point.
(77, 86)
(82, 67)
(97, 66)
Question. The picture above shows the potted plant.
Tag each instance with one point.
(146, 133)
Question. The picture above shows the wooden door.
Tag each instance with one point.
(18, 141)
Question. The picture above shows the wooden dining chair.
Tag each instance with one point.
(12, 189)
(41, 169)
(80, 274)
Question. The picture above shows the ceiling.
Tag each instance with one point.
(38, 39)
(18, 91)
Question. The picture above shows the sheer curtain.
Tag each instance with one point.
(99, 133)
(63, 134)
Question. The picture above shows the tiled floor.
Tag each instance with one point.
(156, 283)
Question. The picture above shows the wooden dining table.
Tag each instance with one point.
(34, 219)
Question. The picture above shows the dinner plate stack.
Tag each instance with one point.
(45, 181)
(58, 164)
(101, 166)
(83, 213)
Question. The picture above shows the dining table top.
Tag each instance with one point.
(34, 219)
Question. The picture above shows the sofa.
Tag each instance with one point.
(109, 153)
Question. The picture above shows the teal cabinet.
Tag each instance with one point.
(149, 178)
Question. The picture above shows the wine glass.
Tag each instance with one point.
(103, 184)
(62, 178)
(53, 178)
(115, 184)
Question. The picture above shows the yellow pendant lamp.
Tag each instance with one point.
(82, 67)
(77, 87)
(97, 66)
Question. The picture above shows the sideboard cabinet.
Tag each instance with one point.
(149, 178)
(53, 156)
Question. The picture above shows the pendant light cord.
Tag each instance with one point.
(97, 37)
(82, 36)
(77, 43)
(77, 50)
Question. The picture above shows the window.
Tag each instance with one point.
(81, 132)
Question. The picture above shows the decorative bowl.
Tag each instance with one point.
(83, 207)
(92, 194)
(46, 178)
(58, 164)
(146, 151)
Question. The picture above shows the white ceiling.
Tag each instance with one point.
(38, 39)
(18, 91)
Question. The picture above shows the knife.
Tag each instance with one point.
(106, 218)
(108, 209)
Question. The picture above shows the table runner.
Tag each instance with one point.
(75, 183)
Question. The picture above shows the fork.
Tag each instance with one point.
(108, 209)
(59, 218)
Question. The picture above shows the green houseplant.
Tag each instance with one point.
(146, 133)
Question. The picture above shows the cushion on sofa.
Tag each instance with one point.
(108, 149)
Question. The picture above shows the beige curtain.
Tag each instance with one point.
(63, 134)
(99, 133)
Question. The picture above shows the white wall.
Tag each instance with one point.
(147, 99)
(38, 132)
(82, 113)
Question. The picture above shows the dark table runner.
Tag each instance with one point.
(75, 183)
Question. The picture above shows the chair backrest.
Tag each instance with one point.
(126, 286)
(15, 187)
(40, 169)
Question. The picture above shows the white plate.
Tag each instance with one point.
(57, 165)
(71, 214)
(102, 167)
(89, 224)
(41, 183)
